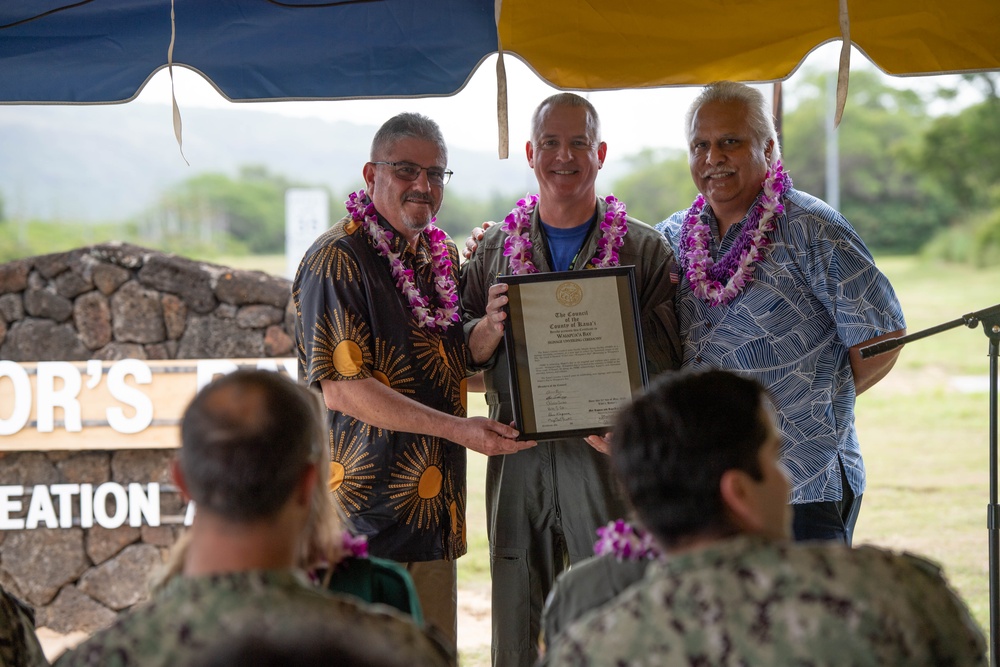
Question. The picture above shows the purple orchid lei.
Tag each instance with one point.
(352, 546)
(362, 210)
(736, 266)
(517, 246)
(355, 546)
(613, 231)
(626, 542)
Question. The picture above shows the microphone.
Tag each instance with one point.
(879, 348)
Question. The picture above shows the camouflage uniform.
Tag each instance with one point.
(19, 646)
(193, 614)
(584, 587)
(747, 601)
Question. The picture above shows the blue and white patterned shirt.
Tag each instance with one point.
(815, 294)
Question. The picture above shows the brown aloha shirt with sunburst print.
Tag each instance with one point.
(405, 491)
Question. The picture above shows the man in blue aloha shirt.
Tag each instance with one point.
(778, 286)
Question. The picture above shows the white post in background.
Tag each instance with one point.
(832, 145)
(307, 215)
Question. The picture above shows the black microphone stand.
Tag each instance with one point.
(990, 318)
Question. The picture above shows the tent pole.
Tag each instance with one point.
(777, 109)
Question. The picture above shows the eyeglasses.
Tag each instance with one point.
(407, 171)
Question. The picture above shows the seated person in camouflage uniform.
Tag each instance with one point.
(732, 589)
(309, 645)
(593, 582)
(253, 445)
(19, 646)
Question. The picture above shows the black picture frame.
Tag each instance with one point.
(553, 405)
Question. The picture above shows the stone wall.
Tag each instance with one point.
(75, 578)
(115, 301)
(110, 302)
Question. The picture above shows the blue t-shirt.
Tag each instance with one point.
(815, 293)
(565, 244)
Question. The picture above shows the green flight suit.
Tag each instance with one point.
(545, 504)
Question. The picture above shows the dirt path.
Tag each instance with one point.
(474, 631)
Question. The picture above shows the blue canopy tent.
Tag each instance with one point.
(97, 51)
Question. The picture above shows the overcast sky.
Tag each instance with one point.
(631, 119)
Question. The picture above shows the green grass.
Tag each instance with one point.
(925, 445)
(927, 457)
(474, 567)
(27, 238)
(934, 293)
(273, 264)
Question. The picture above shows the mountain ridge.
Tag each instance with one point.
(108, 163)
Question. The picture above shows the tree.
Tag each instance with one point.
(987, 82)
(658, 184)
(963, 153)
(212, 210)
(885, 194)
(459, 215)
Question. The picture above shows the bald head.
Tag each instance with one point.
(246, 439)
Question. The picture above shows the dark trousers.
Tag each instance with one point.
(830, 520)
(543, 506)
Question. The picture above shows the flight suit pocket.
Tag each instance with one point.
(510, 600)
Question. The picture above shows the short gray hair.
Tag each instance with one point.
(406, 126)
(566, 100)
(759, 117)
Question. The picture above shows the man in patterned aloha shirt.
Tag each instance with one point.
(797, 326)
(377, 331)
(732, 589)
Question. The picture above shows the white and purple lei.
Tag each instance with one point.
(362, 210)
(626, 542)
(736, 267)
(517, 246)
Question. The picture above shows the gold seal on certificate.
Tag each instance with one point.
(569, 294)
(574, 347)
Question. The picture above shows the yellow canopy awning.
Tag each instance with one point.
(605, 44)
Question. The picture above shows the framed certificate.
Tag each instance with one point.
(574, 348)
